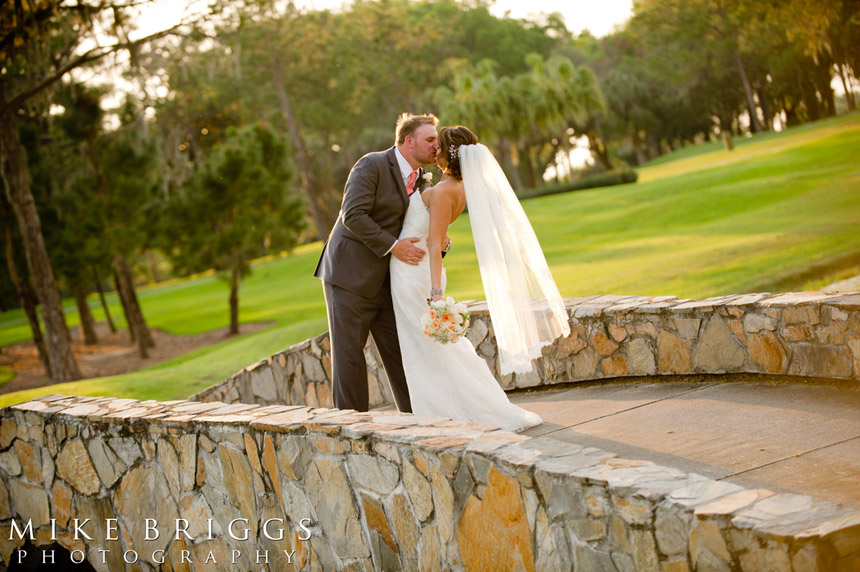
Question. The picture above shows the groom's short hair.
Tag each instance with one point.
(407, 123)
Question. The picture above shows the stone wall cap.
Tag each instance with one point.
(260, 364)
(269, 409)
(478, 307)
(52, 397)
(130, 413)
(517, 454)
(334, 422)
(590, 310)
(631, 477)
(433, 431)
(463, 425)
(773, 507)
(627, 306)
(614, 470)
(656, 307)
(233, 408)
(198, 407)
(54, 409)
(805, 521)
(303, 345)
(394, 434)
(287, 420)
(706, 304)
(85, 409)
(34, 405)
(797, 299)
(703, 491)
(201, 396)
(172, 418)
(656, 485)
(577, 460)
(547, 447)
(122, 405)
(442, 443)
(412, 433)
(609, 299)
(493, 440)
(666, 299)
(848, 301)
(733, 503)
(362, 430)
(846, 518)
(226, 419)
(407, 419)
(690, 307)
(579, 300)
(748, 299)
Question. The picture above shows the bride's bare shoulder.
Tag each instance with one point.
(449, 189)
(447, 196)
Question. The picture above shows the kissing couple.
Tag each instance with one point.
(383, 260)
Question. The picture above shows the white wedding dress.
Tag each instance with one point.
(450, 380)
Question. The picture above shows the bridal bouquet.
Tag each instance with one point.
(446, 321)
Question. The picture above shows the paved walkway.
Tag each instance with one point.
(786, 438)
(849, 285)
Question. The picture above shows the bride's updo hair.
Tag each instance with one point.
(450, 140)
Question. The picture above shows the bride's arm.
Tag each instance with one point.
(441, 207)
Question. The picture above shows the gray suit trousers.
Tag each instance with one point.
(350, 319)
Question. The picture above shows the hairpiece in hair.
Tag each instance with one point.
(453, 152)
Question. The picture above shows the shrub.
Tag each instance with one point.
(600, 180)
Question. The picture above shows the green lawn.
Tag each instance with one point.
(780, 212)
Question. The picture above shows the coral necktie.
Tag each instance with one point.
(410, 186)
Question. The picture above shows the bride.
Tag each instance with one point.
(526, 309)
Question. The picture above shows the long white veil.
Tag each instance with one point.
(526, 308)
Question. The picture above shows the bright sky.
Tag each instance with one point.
(599, 17)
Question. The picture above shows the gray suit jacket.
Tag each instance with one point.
(370, 219)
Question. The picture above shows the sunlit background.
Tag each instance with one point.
(662, 147)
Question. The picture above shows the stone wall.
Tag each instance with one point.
(379, 491)
(806, 334)
(298, 375)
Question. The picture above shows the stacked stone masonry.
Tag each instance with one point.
(380, 491)
(803, 334)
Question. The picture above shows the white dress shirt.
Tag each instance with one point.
(405, 170)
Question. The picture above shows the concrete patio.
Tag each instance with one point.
(803, 439)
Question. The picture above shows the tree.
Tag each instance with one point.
(99, 204)
(274, 32)
(128, 163)
(736, 62)
(20, 278)
(77, 220)
(40, 43)
(529, 116)
(240, 205)
(828, 32)
(570, 103)
(314, 75)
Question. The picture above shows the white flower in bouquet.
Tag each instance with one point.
(446, 321)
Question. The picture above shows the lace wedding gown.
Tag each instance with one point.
(450, 380)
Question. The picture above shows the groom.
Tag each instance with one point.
(355, 259)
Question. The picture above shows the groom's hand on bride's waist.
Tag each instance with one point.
(406, 251)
